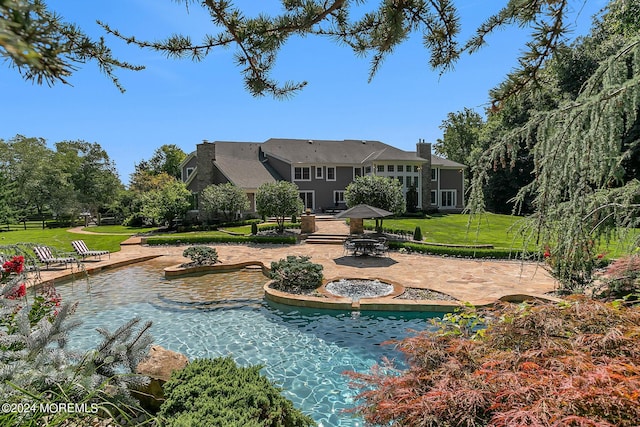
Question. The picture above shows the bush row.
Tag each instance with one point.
(180, 240)
(499, 253)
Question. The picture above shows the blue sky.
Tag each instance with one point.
(181, 102)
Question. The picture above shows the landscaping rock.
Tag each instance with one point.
(158, 366)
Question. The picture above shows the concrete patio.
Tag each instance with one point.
(478, 282)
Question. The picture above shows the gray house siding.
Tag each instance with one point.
(451, 180)
(282, 168)
(248, 165)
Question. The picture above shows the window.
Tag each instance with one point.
(367, 169)
(380, 168)
(448, 198)
(188, 171)
(331, 173)
(307, 199)
(318, 172)
(390, 168)
(400, 168)
(338, 197)
(302, 173)
(401, 179)
(434, 197)
(357, 172)
(434, 174)
(415, 168)
(415, 181)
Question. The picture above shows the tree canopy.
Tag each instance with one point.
(278, 199)
(584, 143)
(44, 48)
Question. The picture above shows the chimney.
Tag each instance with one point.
(423, 150)
(206, 155)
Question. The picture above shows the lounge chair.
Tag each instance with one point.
(46, 257)
(81, 249)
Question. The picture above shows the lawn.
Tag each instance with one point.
(501, 231)
(60, 239)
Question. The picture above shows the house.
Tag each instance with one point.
(322, 170)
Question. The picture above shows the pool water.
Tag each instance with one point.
(303, 351)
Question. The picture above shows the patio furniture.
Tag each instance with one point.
(381, 247)
(349, 247)
(46, 257)
(364, 246)
(81, 249)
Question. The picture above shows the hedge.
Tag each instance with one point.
(498, 253)
(182, 240)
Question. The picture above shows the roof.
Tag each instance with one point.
(240, 163)
(348, 151)
(446, 163)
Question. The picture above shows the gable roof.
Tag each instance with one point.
(348, 151)
(445, 163)
(241, 163)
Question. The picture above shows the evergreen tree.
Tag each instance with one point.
(585, 183)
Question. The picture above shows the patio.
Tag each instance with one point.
(478, 282)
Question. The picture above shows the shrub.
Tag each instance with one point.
(563, 364)
(220, 393)
(417, 234)
(458, 251)
(294, 219)
(201, 255)
(180, 240)
(38, 369)
(254, 228)
(622, 280)
(295, 273)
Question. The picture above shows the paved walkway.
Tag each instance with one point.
(475, 281)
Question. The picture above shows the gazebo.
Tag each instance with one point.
(358, 213)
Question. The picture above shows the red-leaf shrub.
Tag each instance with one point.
(569, 364)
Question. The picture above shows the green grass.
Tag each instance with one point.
(246, 229)
(60, 239)
(119, 229)
(501, 231)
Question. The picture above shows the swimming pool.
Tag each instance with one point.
(304, 351)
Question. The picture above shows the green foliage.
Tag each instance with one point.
(570, 363)
(167, 159)
(377, 191)
(36, 367)
(201, 255)
(164, 205)
(218, 238)
(45, 49)
(581, 132)
(458, 251)
(224, 200)
(621, 280)
(296, 273)
(254, 229)
(220, 393)
(417, 234)
(374, 30)
(280, 200)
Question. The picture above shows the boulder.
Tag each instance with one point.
(158, 366)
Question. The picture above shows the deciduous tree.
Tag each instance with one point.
(278, 199)
(225, 200)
